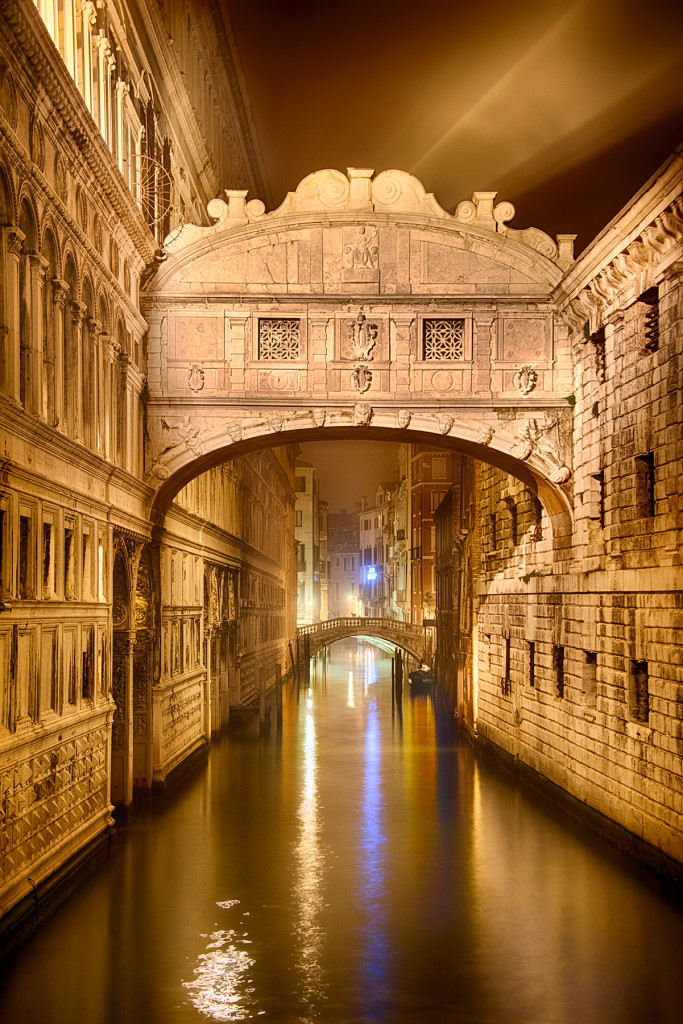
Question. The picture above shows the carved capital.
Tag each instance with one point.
(60, 290)
(94, 327)
(38, 266)
(78, 311)
(112, 348)
(14, 239)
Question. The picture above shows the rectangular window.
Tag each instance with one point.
(532, 662)
(650, 300)
(88, 665)
(353, 564)
(558, 669)
(599, 486)
(278, 339)
(299, 517)
(438, 469)
(4, 576)
(25, 560)
(590, 679)
(505, 683)
(300, 483)
(48, 560)
(639, 692)
(86, 554)
(101, 571)
(443, 339)
(69, 564)
(598, 343)
(645, 485)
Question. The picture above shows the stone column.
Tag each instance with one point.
(399, 355)
(13, 240)
(110, 411)
(36, 398)
(59, 292)
(128, 715)
(317, 356)
(482, 353)
(73, 395)
(91, 381)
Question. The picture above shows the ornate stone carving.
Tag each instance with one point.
(361, 335)
(361, 249)
(403, 418)
(319, 416)
(361, 378)
(195, 377)
(176, 436)
(445, 423)
(9, 98)
(543, 438)
(525, 380)
(275, 422)
(279, 380)
(36, 142)
(485, 435)
(235, 432)
(362, 414)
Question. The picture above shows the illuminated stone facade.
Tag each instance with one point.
(121, 649)
(147, 587)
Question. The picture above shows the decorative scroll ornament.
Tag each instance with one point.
(445, 423)
(525, 380)
(403, 418)
(362, 337)
(319, 416)
(362, 251)
(362, 414)
(543, 439)
(361, 379)
(195, 378)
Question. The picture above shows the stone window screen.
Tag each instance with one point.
(443, 339)
(279, 339)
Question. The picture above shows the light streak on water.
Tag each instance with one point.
(219, 987)
(350, 700)
(309, 864)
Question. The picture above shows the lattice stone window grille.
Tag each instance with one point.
(443, 339)
(279, 339)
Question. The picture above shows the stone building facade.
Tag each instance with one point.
(122, 643)
(146, 586)
(578, 647)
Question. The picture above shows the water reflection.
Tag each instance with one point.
(372, 889)
(309, 864)
(219, 988)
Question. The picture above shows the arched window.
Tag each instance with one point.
(51, 344)
(28, 382)
(72, 389)
(88, 363)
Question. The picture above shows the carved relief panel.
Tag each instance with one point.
(196, 353)
(523, 353)
(442, 347)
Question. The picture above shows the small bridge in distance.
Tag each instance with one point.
(415, 640)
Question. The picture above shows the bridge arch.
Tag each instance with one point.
(405, 635)
(360, 308)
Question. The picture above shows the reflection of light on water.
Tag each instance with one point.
(350, 702)
(220, 976)
(308, 871)
(372, 841)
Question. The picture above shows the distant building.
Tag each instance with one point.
(307, 534)
(431, 474)
(375, 577)
(343, 551)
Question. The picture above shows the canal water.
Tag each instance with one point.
(360, 865)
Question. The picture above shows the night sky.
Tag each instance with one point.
(566, 109)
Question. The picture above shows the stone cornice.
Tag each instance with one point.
(630, 254)
(33, 42)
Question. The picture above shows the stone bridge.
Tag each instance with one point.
(413, 639)
(360, 309)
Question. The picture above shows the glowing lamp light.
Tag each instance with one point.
(371, 572)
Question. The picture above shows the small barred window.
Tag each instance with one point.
(443, 339)
(278, 339)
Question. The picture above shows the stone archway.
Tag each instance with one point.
(360, 308)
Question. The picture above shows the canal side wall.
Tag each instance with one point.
(579, 663)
